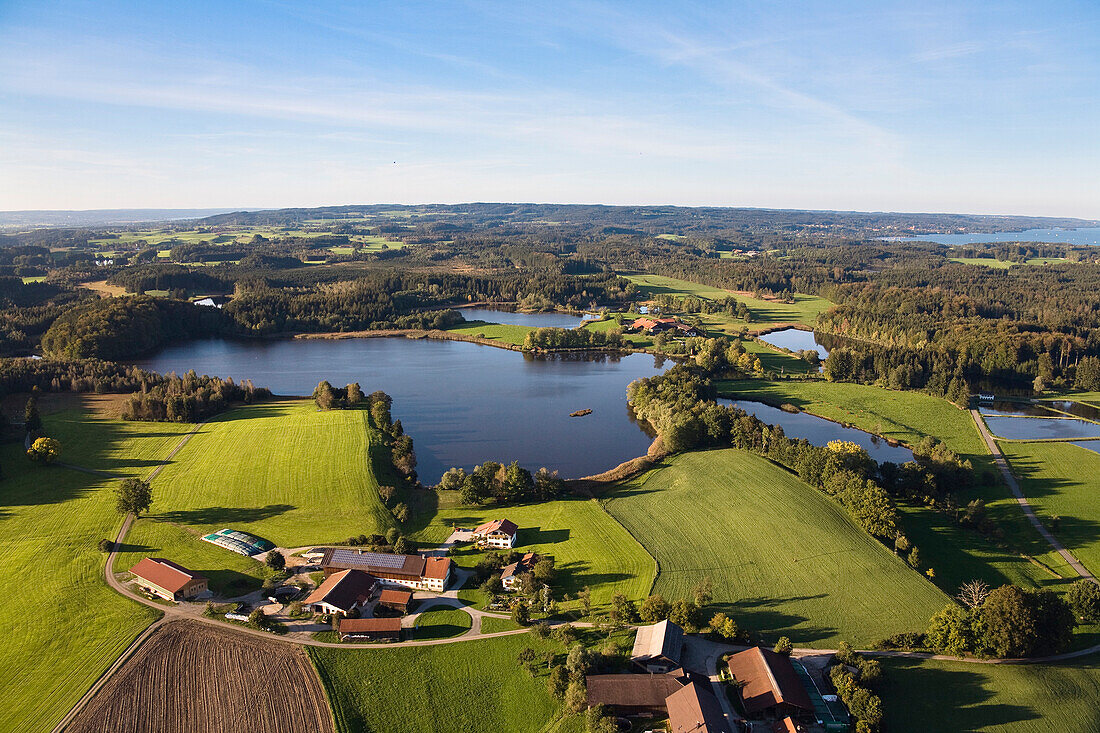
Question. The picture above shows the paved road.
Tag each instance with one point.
(1014, 485)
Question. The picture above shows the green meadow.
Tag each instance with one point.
(957, 697)
(470, 686)
(783, 558)
(765, 313)
(281, 470)
(589, 547)
(955, 554)
(67, 626)
(1062, 480)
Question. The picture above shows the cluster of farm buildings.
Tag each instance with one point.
(655, 325)
(770, 689)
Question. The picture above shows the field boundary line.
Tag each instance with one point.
(128, 652)
(1025, 505)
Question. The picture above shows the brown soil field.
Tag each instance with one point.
(104, 290)
(192, 676)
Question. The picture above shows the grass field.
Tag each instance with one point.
(954, 697)
(442, 623)
(589, 547)
(984, 262)
(765, 313)
(490, 625)
(230, 574)
(281, 470)
(471, 686)
(1063, 480)
(52, 518)
(956, 555)
(782, 557)
(503, 332)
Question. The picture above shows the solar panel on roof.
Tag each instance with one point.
(374, 559)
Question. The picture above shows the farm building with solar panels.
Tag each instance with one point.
(411, 571)
(242, 543)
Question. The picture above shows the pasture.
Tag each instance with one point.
(957, 555)
(282, 470)
(589, 547)
(783, 558)
(442, 623)
(1062, 480)
(983, 262)
(52, 519)
(503, 332)
(956, 697)
(472, 686)
(765, 313)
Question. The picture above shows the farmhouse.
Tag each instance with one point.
(409, 571)
(342, 592)
(497, 533)
(694, 709)
(509, 576)
(632, 694)
(657, 648)
(379, 629)
(168, 580)
(397, 600)
(769, 684)
(653, 326)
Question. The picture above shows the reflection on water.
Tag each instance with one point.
(462, 403)
(1080, 409)
(536, 320)
(820, 431)
(1092, 445)
(1006, 407)
(795, 339)
(1039, 428)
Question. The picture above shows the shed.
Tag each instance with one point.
(657, 647)
(770, 684)
(169, 580)
(380, 629)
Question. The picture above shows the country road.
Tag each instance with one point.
(1029, 512)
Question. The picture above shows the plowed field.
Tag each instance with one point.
(191, 676)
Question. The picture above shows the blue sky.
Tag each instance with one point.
(988, 107)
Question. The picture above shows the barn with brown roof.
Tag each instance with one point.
(342, 592)
(411, 571)
(397, 600)
(632, 694)
(377, 629)
(168, 580)
(694, 709)
(769, 684)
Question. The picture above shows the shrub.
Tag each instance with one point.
(106, 545)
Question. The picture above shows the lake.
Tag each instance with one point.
(820, 431)
(1085, 235)
(462, 403)
(533, 320)
(795, 339)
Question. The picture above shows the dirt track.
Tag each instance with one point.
(191, 676)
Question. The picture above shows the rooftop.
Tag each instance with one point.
(344, 589)
(165, 574)
(497, 525)
(370, 625)
(374, 562)
(631, 690)
(662, 639)
(693, 709)
(768, 679)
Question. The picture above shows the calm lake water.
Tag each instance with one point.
(820, 431)
(795, 339)
(1058, 236)
(536, 320)
(1038, 428)
(462, 403)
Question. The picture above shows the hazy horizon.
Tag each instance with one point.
(855, 106)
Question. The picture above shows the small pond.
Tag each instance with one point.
(1040, 428)
(820, 431)
(795, 339)
(1015, 409)
(535, 320)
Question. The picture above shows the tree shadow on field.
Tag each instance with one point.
(230, 583)
(769, 615)
(540, 536)
(224, 515)
(131, 547)
(574, 576)
(945, 700)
